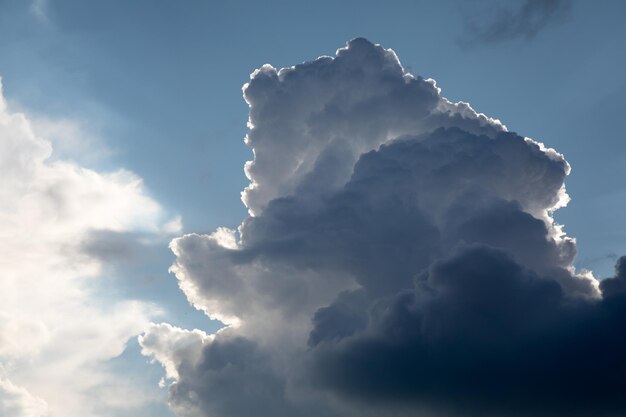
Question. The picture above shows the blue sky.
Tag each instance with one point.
(156, 88)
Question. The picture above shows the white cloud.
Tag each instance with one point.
(71, 139)
(171, 346)
(349, 104)
(56, 333)
(18, 402)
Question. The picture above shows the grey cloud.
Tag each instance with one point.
(616, 286)
(506, 23)
(233, 377)
(112, 247)
(401, 259)
(480, 334)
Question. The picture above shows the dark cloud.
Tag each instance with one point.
(228, 366)
(401, 259)
(481, 335)
(616, 286)
(496, 23)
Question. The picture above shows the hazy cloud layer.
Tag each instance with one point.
(525, 19)
(400, 257)
(56, 331)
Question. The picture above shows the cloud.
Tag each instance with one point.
(18, 402)
(616, 286)
(504, 24)
(38, 9)
(57, 332)
(400, 258)
(72, 140)
(480, 332)
(295, 138)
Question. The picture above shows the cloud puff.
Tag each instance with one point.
(56, 333)
(310, 123)
(525, 22)
(18, 402)
(400, 257)
(616, 286)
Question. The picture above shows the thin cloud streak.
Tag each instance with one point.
(503, 23)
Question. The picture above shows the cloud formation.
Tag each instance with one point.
(56, 332)
(400, 257)
(524, 22)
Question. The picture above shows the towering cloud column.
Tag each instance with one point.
(400, 257)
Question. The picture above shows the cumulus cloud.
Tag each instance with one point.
(56, 335)
(400, 258)
(310, 123)
(505, 23)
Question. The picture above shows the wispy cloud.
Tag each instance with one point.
(497, 23)
(39, 9)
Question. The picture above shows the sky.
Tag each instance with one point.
(378, 202)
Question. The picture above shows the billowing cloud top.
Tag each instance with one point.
(399, 258)
(310, 123)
